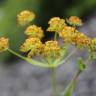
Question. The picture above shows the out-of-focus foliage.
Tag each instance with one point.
(68, 8)
(8, 25)
(65, 8)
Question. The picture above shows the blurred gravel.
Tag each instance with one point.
(23, 79)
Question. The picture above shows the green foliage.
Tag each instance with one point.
(81, 7)
(8, 25)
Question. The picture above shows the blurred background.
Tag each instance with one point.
(17, 78)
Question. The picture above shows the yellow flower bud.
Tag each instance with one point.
(25, 17)
(56, 24)
(4, 44)
(34, 31)
(32, 45)
(67, 33)
(81, 39)
(74, 20)
(71, 35)
(51, 50)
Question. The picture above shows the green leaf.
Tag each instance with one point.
(81, 64)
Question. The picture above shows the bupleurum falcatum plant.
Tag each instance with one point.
(52, 54)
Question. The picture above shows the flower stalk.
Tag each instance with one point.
(31, 61)
(70, 87)
(53, 76)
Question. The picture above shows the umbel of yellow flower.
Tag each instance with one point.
(34, 31)
(32, 45)
(25, 17)
(81, 40)
(56, 24)
(67, 33)
(71, 35)
(51, 50)
(3, 44)
(74, 20)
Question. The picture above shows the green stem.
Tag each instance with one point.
(69, 89)
(31, 61)
(63, 61)
(53, 76)
(55, 36)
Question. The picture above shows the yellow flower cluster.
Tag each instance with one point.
(71, 35)
(67, 33)
(74, 20)
(81, 39)
(51, 49)
(66, 29)
(56, 24)
(32, 45)
(25, 17)
(34, 31)
(3, 44)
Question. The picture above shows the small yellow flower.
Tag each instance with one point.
(34, 31)
(74, 20)
(3, 44)
(71, 35)
(56, 24)
(51, 50)
(81, 39)
(67, 33)
(25, 17)
(33, 46)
